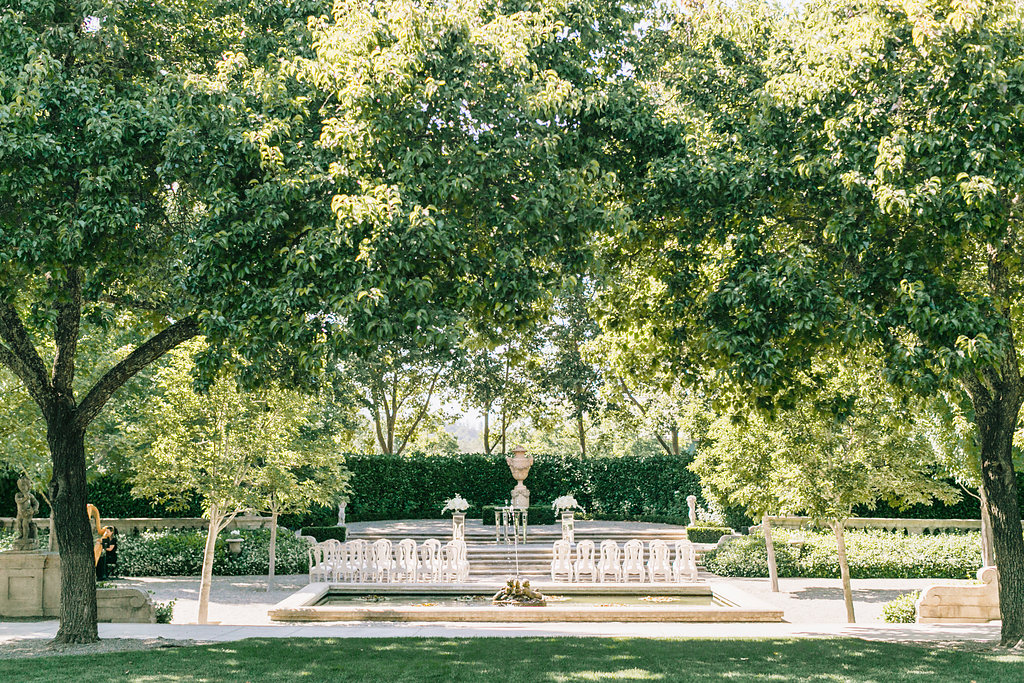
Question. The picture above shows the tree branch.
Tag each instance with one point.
(422, 411)
(21, 356)
(179, 332)
(69, 316)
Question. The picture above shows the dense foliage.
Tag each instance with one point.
(872, 555)
(180, 553)
(902, 610)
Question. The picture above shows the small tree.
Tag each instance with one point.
(231, 448)
(852, 446)
(307, 470)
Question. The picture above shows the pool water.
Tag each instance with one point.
(434, 600)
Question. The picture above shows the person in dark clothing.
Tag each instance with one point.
(110, 551)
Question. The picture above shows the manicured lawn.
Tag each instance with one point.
(558, 660)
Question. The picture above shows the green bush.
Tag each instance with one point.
(322, 533)
(180, 553)
(706, 534)
(165, 612)
(872, 555)
(902, 610)
(535, 514)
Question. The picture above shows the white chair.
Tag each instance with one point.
(334, 559)
(430, 560)
(462, 560)
(633, 559)
(316, 563)
(450, 561)
(383, 562)
(561, 559)
(609, 563)
(658, 561)
(406, 564)
(685, 564)
(584, 561)
(360, 564)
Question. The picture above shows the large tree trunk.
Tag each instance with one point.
(68, 496)
(996, 418)
(206, 577)
(844, 569)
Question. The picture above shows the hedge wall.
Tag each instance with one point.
(404, 487)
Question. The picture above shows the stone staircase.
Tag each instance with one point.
(490, 560)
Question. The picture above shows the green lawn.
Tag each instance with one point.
(527, 660)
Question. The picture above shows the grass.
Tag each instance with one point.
(527, 660)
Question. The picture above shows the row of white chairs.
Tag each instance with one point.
(361, 561)
(622, 564)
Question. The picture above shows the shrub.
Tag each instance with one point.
(165, 612)
(322, 533)
(706, 534)
(181, 554)
(872, 554)
(748, 556)
(902, 610)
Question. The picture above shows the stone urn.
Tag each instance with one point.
(519, 463)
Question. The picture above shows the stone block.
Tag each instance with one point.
(124, 606)
(29, 584)
(961, 603)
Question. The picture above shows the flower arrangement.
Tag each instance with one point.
(456, 504)
(565, 503)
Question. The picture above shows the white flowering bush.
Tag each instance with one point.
(456, 504)
(565, 503)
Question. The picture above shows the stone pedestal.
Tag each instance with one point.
(29, 584)
(569, 526)
(459, 526)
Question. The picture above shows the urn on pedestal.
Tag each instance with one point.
(519, 462)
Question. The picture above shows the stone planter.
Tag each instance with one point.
(235, 545)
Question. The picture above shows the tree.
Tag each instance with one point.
(852, 179)
(172, 161)
(851, 444)
(565, 373)
(236, 450)
(305, 469)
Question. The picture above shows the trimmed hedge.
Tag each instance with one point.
(706, 534)
(416, 486)
(323, 533)
(872, 555)
(180, 553)
(902, 610)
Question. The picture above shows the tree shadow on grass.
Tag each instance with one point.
(530, 660)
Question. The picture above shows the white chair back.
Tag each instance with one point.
(430, 559)
(406, 564)
(316, 562)
(382, 560)
(685, 564)
(609, 563)
(561, 560)
(633, 559)
(584, 561)
(658, 561)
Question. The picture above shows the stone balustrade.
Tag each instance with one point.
(131, 525)
(914, 527)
